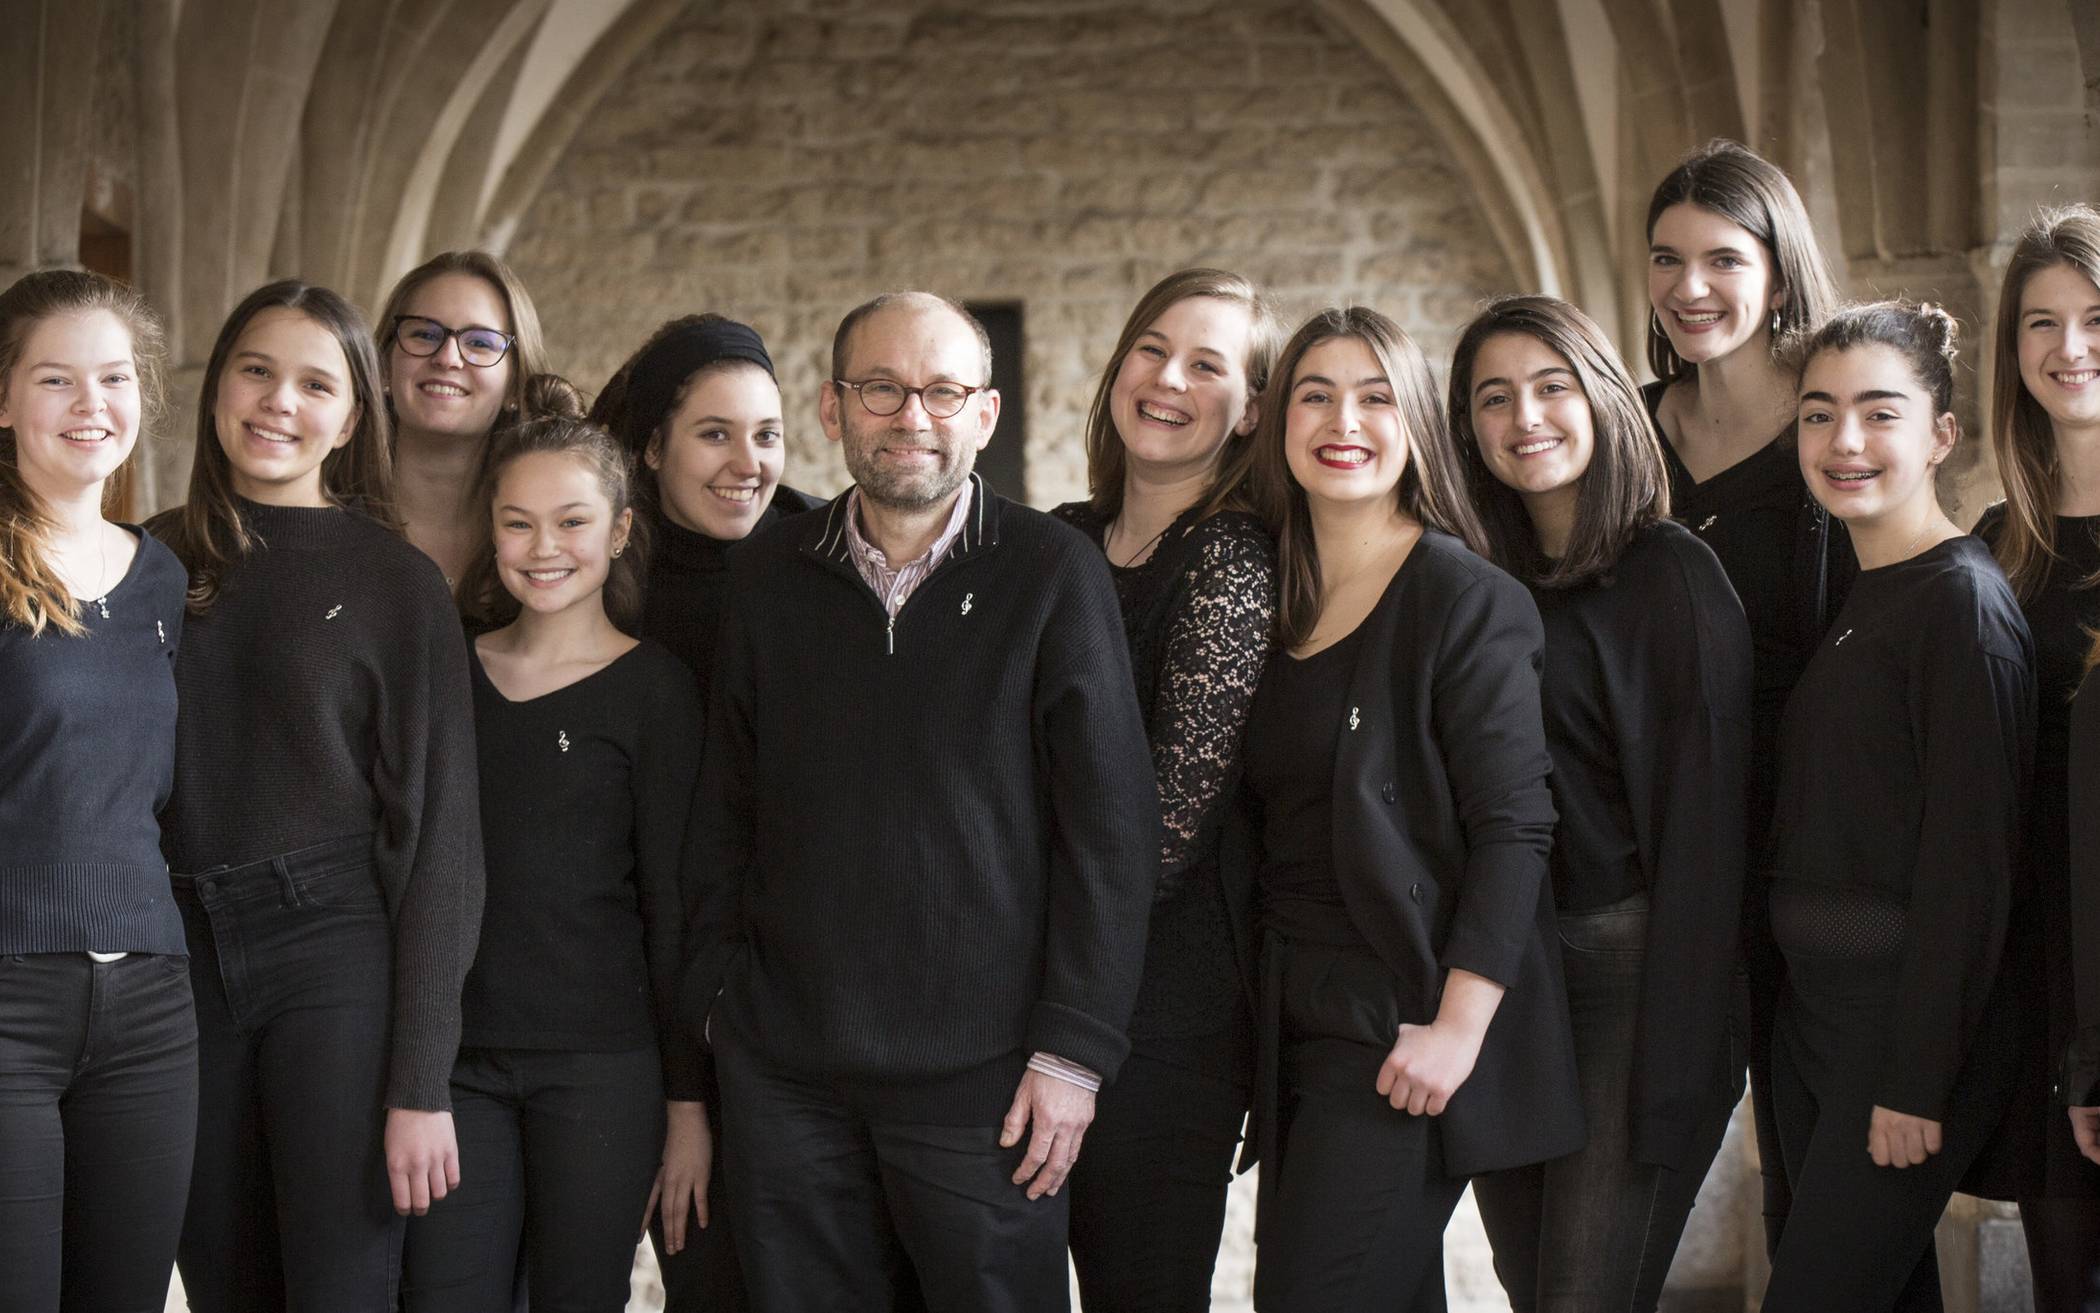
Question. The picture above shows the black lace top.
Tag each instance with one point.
(1199, 614)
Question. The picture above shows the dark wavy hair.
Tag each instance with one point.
(1626, 487)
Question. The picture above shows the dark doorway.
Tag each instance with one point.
(1001, 463)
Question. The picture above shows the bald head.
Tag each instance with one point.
(911, 303)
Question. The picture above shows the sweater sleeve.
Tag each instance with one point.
(1684, 756)
(1974, 709)
(1485, 707)
(425, 776)
(1103, 825)
(720, 828)
(1215, 648)
(663, 777)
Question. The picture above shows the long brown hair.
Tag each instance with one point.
(2022, 437)
(483, 599)
(1104, 446)
(1432, 488)
(207, 532)
(528, 355)
(1755, 195)
(31, 593)
(1626, 487)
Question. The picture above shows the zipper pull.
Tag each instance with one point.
(890, 634)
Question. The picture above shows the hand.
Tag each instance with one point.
(1897, 1139)
(2085, 1128)
(1061, 1112)
(422, 1158)
(689, 1157)
(1427, 1065)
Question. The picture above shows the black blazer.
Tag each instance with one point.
(1442, 825)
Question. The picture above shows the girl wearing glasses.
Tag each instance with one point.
(98, 1041)
(323, 831)
(460, 341)
(1195, 574)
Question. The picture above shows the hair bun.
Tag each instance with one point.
(1945, 328)
(550, 396)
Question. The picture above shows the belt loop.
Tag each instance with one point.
(289, 892)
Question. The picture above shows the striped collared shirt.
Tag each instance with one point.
(894, 585)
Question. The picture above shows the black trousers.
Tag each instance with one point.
(291, 959)
(557, 1152)
(1860, 1237)
(1594, 1232)
(98, 1112)
(1148, 1192)
(839, 1209)
(1355, 1196)
(1758, 988)
(704, 1277)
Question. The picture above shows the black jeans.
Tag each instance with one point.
(838, 1209)
(1596, 1230)
(292, 962)
(1355, 1197)
(1148, 1191)
(1860, 1237)
(556, 1155)
(98, 1110)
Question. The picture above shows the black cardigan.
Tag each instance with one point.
(921, 850)
(1442, 825)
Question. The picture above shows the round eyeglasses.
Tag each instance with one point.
(941, 400)
(479, 347)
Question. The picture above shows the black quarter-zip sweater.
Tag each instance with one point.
(922, 850)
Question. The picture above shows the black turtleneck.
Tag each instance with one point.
(682, 608)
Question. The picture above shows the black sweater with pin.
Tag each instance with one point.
(682, 606)
(584, 795)
(87, 756)
(923, 849)
(1903, 768)
(324, 695)
(1646, 692)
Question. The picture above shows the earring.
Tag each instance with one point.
(1775, 322)
(617, 550)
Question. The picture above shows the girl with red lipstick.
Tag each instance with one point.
(1903, 763)
(323, 829)
(98, 1037)
(1646, 694)
(1195, 573)
(1733, 268)
(1395, 820)
(461, 342)
(2045, 430)
(589, 742)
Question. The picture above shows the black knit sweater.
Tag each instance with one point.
(87, 756)
(682, 607)
(324, 695)
(922, 851)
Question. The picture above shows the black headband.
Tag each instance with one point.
(654, 382)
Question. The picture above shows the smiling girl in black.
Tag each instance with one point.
(1904, 758)
(1733, 267)
(1647, 702)
(589, 743)
(323, 828)
(1413, 1029)
(2045, 432)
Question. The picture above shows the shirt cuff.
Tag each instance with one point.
(1051, 1065)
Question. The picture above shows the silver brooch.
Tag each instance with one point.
(966, 602)
(561, 736)
(159, 629)
(334, 611)
(1353, 721)
(1841, 638)
(1707, 523)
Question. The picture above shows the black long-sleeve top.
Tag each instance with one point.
(1199, 614)
(1904, 761)
(682, 602)
(1790, 563)
(325, 695)
(2081, 1083)
(1646, 692)
(923, 849)
(87, 757)
(584, 798)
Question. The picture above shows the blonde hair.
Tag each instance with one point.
(31, 593)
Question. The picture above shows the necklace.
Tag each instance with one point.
(1912, 545)
(100, 603)
(1142, 547)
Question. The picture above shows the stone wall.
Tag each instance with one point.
(781, 162)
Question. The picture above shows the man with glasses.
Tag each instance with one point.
(921, 855)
